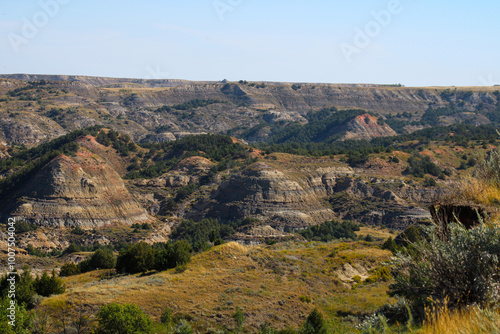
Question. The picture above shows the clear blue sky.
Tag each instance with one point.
(421, 43)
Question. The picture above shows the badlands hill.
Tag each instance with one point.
(35, 108)
(367, 153)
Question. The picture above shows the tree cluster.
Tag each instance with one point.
(217, 148)
(418, 166)
(143, 257)
(331, 230)
(121, 143)
(27, 286)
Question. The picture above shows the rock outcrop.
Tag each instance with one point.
(289, 200)
(270, 195)
(128, 106)
(79, 191)
(367, 127)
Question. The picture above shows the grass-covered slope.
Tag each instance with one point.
(277, 284)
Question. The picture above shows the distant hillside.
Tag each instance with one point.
(35, 108)
(328, 125)
(99, 81)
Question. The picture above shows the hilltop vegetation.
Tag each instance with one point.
(323, 126)
(217, 148)
(25, 162)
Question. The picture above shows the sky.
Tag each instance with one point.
(412, 42)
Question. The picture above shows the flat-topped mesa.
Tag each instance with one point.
(79, 191)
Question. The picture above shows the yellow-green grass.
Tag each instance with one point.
(466, 321)
(279, 284)
(376, 232)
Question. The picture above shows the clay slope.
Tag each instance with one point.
(79, 191)
(269, 195)
(292, 193)
(367, 127)
(130, 106)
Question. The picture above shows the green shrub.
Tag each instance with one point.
(72, 248)
(331, 230)
(183, 327)
(49, 285)
(185, 192)
(25, 288)
(123, 319)
(379, 274)
(136, 258)
(391, 245)
(419, 165)
(239, 318)
(200, 233)
(429, 182)
(459, 270)
(22, 227)
(315, 323)
(102, 258)
(23, 319)
(78, 231)
(266, 328)
(171, 255)
(166, 316)
(305, 299)
(369, 238)
(69, 269)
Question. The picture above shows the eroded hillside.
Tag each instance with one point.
(36, 111)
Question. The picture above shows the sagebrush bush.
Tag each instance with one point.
(488, 168)
(461, 270)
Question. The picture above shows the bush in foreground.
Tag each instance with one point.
(123, 319)
(460, 270)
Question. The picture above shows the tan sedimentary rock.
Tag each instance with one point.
(79, 191)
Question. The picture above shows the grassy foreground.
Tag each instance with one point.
(277, 284)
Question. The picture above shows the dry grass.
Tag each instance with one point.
(380, 233)
(473, 320)
(474, 190)
(481, 186)
(279, 284)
